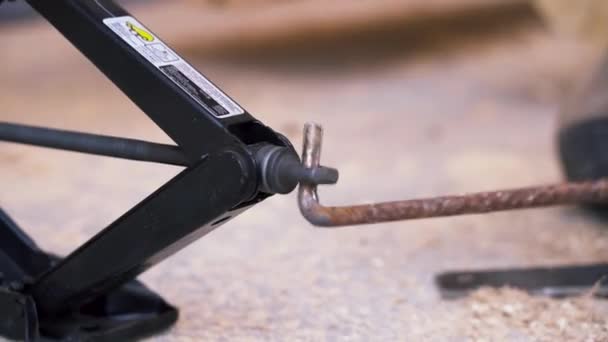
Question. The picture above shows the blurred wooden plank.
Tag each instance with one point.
(200, 27)
(248, 25)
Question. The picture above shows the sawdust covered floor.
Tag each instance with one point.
(446, 121)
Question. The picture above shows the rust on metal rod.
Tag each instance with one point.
(475, 203)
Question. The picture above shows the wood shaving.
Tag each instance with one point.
(513, 315)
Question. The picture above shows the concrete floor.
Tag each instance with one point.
(448, 121)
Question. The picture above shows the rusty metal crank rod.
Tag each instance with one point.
(475, 203)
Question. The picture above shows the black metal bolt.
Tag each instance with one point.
(281, 171)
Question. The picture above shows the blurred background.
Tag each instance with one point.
(436, 97)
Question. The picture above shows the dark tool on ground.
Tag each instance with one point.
(232, 162)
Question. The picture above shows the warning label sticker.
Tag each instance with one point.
(173, 66)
